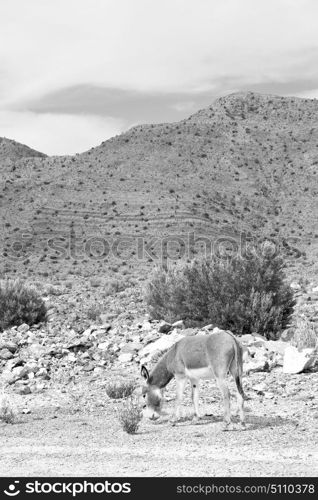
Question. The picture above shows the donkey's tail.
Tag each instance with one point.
(238, 371)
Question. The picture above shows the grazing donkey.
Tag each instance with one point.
(195, 358)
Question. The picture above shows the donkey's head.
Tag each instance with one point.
(152, 396)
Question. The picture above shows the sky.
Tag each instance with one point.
(75, 72)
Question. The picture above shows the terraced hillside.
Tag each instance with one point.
(247, 165)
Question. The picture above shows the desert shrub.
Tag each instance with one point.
(114, 286)
(19, 304)
(94, 311)
(120, 389)
(130, 415)
(243, 295)
(7, 414)
(306, 334)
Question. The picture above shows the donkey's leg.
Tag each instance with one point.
(240, 405)
(181, 382)
(195, 397)
(221, 382)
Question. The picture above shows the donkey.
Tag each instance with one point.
(195, 358)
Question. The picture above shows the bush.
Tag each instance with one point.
(20, 304)
(244, 295)
(130, 415)
(7, 414)
(120, 389)
(306, 334)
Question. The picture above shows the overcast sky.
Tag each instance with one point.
(75, 72)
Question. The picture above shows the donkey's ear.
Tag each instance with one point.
(144, 372)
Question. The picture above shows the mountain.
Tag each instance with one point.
(12, 150)
(244, 168)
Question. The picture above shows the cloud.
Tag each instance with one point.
(55, 134)
(149, 60)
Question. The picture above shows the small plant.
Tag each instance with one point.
(19, 304)
(306, 334)
(93, 312)
(130, 415)
(120, 389)
(7, 414)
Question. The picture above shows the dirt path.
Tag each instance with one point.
(58, 438)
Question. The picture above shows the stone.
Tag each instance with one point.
(164, 327)
(126, 357)
(103, 346)
(260, 388)
(23, 328)
(276, 346)
(162, 344)
(256, 365)
(8, 344)
(296, 361)
(5, 354)
(178, 324)
(23, 390)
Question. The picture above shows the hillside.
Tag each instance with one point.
(11, 151)
(247, 165)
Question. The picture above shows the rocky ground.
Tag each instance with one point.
(55, 376)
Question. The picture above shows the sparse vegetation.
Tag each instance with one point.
(306, 334)
(243, 295)
(120, 389)
(19, 303)
(7, 414)
(130, 415)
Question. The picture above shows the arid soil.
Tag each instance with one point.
(74, 430)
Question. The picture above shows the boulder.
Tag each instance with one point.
(23, 328)
(162, 344)
(164, 327)
(8, 344)
(296, 361)
(178, 324)
(126, 357)
(5, 354)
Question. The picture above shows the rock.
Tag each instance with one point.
(104, 320)
(36, 351)
(162, 344)
(23, 390)
(132, 347)
(178, 324)
(208, 327)
(246, 339)
(5, 354)
(23, 328)
(260, 388)
(103, 346)
(8, 344)
(296, 361)
(295, 286)
(164, 327)
(256, 365)
(26, 411)
(276, 346)
(315, 289)
(126, 357)
(190, 332)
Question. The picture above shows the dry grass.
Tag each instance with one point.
(306, 334)
(119, 389)
(130, 415)
(7, 413)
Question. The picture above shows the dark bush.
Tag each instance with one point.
(243, 295)
(20, 304)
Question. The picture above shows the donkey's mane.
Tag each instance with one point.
(160, 375)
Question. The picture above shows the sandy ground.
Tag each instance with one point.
(74, 431)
